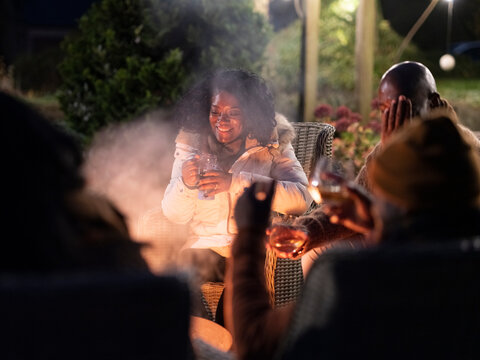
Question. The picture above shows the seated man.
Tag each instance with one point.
(406, 90)
(426, 183)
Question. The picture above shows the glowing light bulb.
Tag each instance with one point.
(447, 62)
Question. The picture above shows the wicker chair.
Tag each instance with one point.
(312, 140)
(285, 277)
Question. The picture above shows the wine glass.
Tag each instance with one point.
(327, 179)
(206, 163)
(287, 240)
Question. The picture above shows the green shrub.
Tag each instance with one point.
(132, 55)
(282, 68)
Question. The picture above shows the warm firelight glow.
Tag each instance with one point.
(260, 196)
(211, 333)
(313, 190)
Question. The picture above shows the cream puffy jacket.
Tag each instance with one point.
(212, 224)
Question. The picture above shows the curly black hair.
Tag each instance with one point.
(255, 98)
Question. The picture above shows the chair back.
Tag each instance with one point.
(284, 276)
(94, 316)
(312, 140)
(403, 302)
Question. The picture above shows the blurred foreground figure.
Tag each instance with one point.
(426, 183)
(56, 224)
(406, 90)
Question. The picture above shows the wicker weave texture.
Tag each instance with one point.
(312, 140)
(288, 281)
(284, 277)
(211, 292)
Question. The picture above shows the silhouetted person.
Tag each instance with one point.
(54, 223)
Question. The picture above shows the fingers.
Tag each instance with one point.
(210, 186)
(362, 205)
(355, 226)
(385, 133)
(403, 112)
(435, 100)
(215, 183)
(395, 116)
(213, 173)
(190, 172)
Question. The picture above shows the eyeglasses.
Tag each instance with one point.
(230, 113)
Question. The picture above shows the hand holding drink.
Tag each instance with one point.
(327, 180)
(287, 240)
(207, 162)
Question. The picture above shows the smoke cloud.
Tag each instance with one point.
(131, 164)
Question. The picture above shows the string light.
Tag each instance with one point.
(447, 61)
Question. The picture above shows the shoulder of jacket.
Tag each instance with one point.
(188, 138)
(285, 131)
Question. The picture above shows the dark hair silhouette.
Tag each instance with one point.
(53, 222)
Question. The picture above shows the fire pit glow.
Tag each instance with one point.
(211, 333)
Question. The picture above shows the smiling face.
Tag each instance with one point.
(226, 118)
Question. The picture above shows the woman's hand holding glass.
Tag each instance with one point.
(190, 175)
(213, 182)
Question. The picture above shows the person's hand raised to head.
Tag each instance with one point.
(435, 101)
(190, 175)
(354, 214)
(395, 116)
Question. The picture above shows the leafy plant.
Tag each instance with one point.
(132, 55)
(336, 61)
(353, 140)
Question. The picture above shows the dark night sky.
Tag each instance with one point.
(53, 12)
(432, 35)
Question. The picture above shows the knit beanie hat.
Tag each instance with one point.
(428, 165)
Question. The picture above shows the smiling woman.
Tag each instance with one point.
(226, 119)
(229, 114)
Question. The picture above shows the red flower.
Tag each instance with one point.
(342, 111)
(343, 124)
(375, 126)
(355, 117)
(323, 110)
(375, 104)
